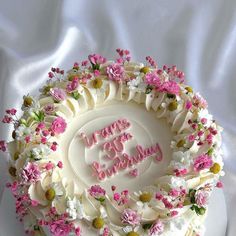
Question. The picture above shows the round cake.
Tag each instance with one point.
(114, 148)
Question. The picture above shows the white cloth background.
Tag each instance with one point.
(198, 36)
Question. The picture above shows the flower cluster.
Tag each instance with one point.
(97, 192)
(124, 55)
(30, 173)
(56, 73)
(157, 228)
(153, 79)
(59, 225)
(130, 217)
(202, 162)
(199, 198)
(115, 72)
(120, 198)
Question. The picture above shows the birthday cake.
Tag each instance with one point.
(114, 148)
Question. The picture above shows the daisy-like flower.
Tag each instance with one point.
(30, 104)
(101, 223)
(144, 199)
(129, 229)
(55, 194)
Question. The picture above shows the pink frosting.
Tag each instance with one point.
(58, 125)
(116, 127)
(126, 161)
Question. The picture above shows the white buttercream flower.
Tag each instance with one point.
(203, 113)
(181, 160)
(22, 131)
(75, 209)
(137, 84)
(39, 152)
(177, 183)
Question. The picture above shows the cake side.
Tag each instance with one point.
(50, 194)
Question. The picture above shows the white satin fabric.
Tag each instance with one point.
(198, 36)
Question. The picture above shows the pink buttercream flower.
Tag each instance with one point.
(174, 213)
(49, 109)
(96, 59)
(115, 72)
(199, 101)
(30, 173)
(202, 162)
(58, 125)
(130, 217)
(106, 231)
(97, 192)
(151, 61)
(116, 197)
(60, 228)
(191, 138)
(134, 172)
(60, 164)
(156, 229)
(153, 79)
(58, 94)
(188, 105)
(170, 87)
(7, 119)
(3, 145)
(49, 166)
(219, 184)
(73, 85)
(78, 231)
(201, 197)
(11, 111)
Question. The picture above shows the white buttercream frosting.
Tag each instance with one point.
(152, 121)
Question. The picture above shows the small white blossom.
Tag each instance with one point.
(39, 152)
(203, 113)
(181, 160)
(22, 131)
(137, 84)
(75, 209)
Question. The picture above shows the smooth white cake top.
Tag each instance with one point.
(114, 148)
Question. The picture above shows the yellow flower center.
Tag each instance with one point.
(28, 101)
(172, 106)
(189, 89)
(132, 233)
(144, 70)
(12, 171)
(98, 223)
(145, 197)
(215, 169)
(180, 143)
(97, 83)
(50, 194)
(16, 156)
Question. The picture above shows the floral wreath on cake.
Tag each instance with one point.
(189, 179)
